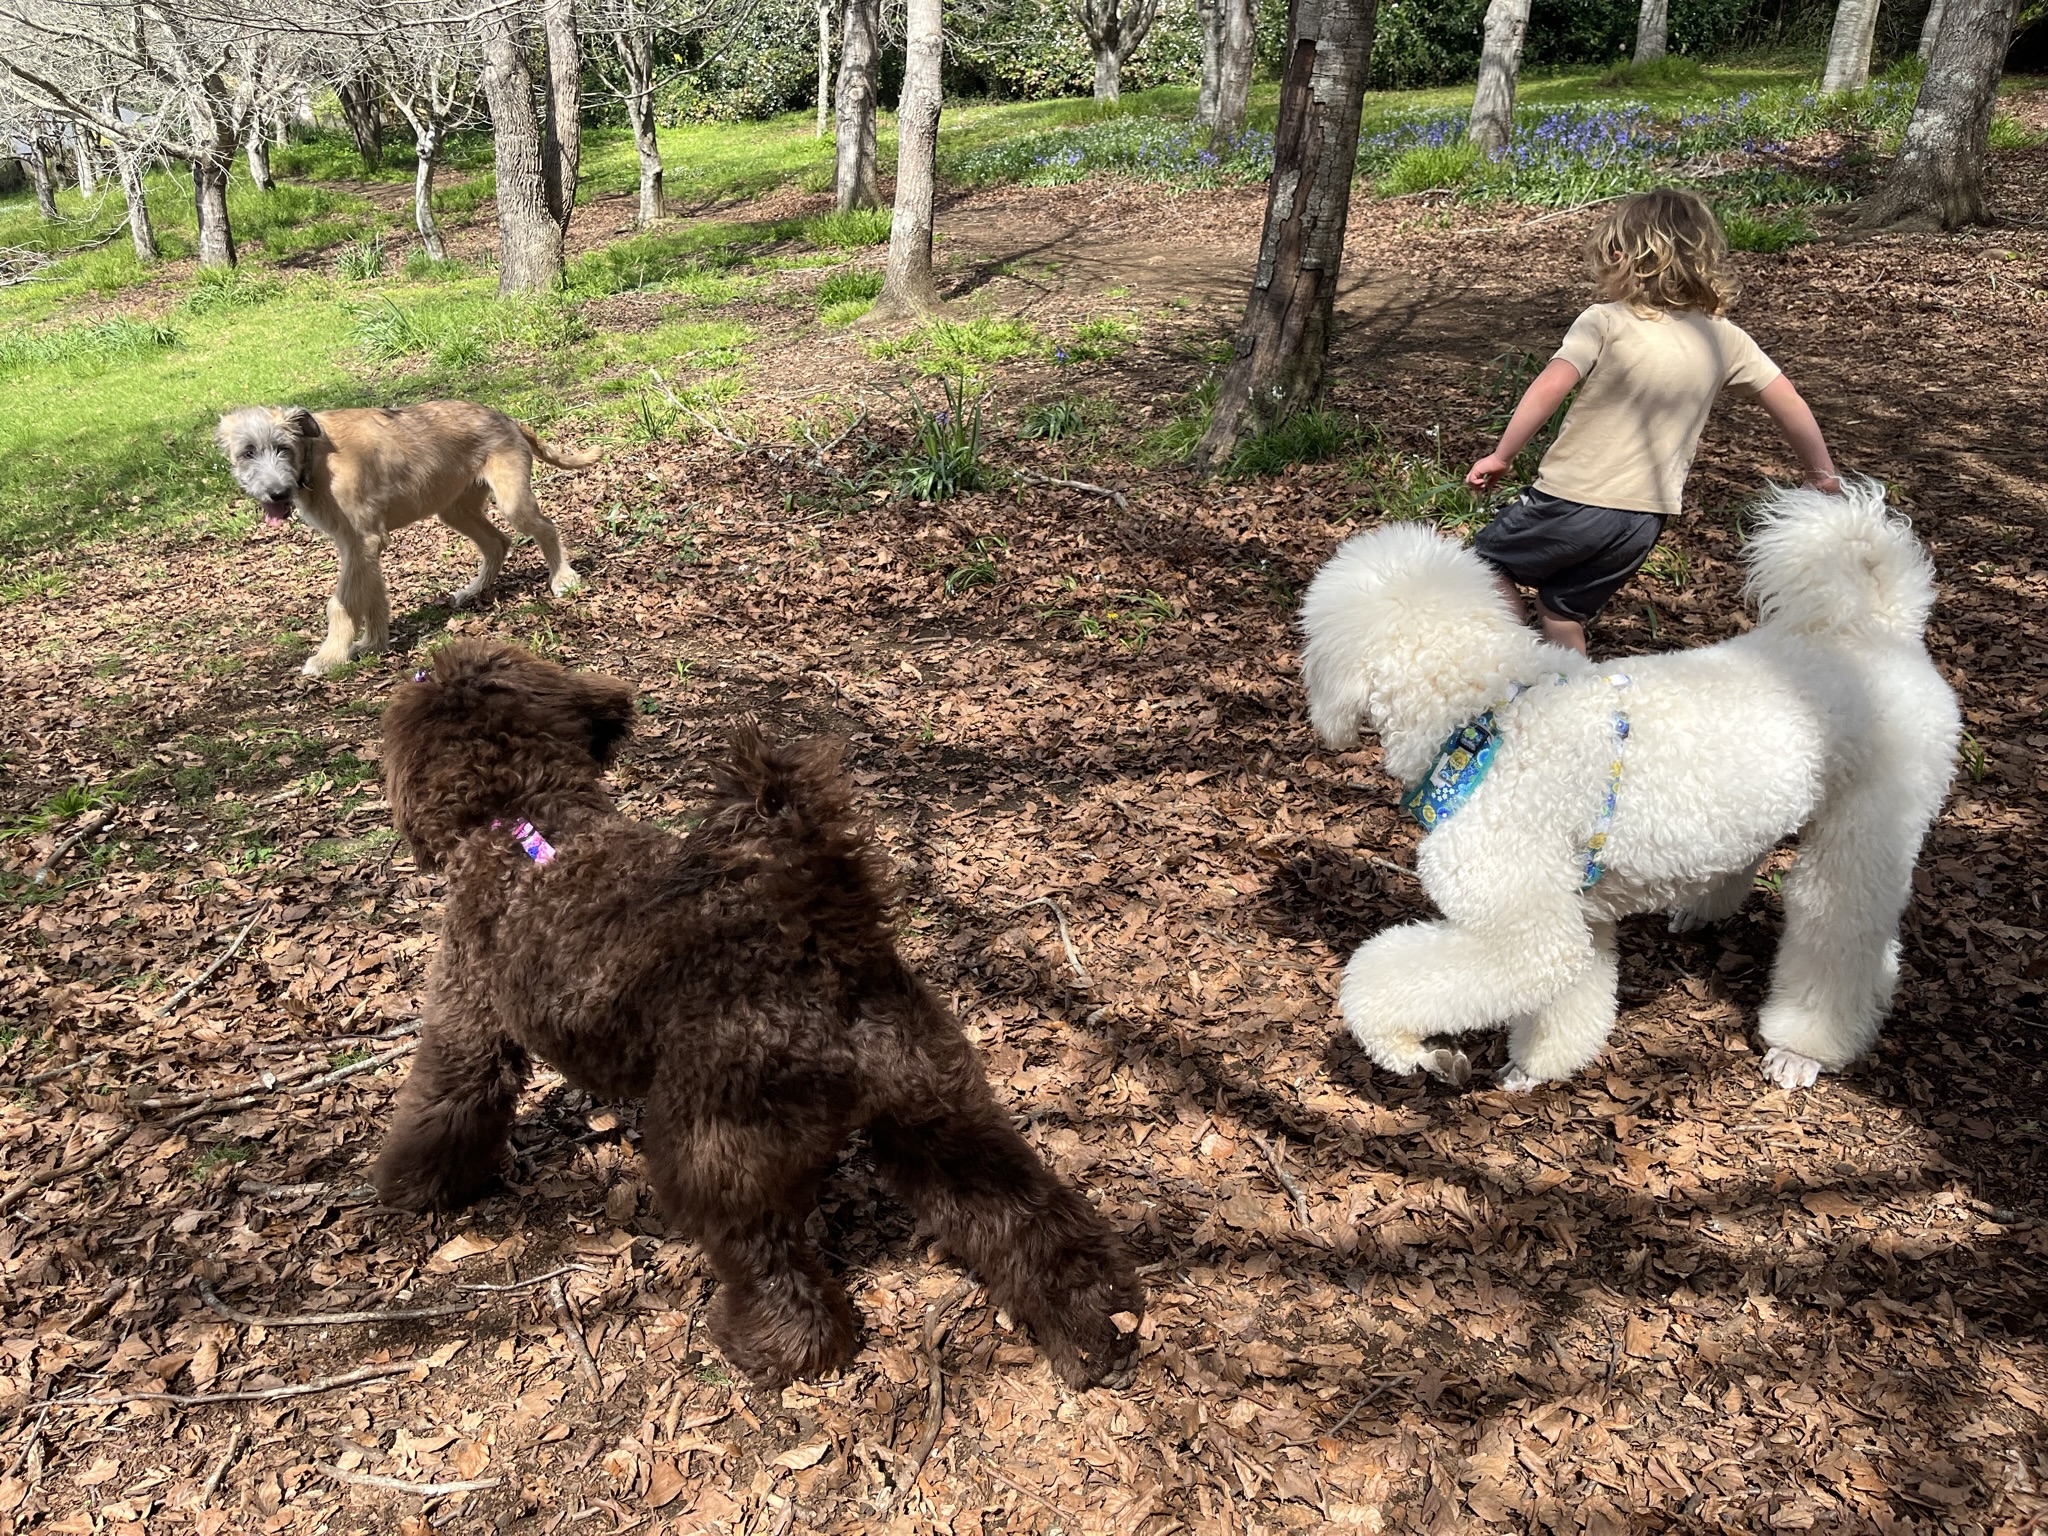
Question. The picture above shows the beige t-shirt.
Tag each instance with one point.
(1646, 385)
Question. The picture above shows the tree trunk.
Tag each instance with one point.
(1848, 67)
(824, 64)
(359, 110)
(1937, 181)
(259, 157)
(1109, 75)
(1653, 27)
(909, 288)
(1931, 28)
(529, 239)
(1114, 32)
(1500, 61)
(1239, 45)
(561, 148)
(1209, 16)
(1282, 349)
(88, 173)
(210, 201)
(37, 160)
(129, 167)
(853, 174)
(426, 147)
(636, 55)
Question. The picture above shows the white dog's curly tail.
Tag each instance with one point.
(1842, 564)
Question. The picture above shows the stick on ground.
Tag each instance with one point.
(251, 1395)
(97, 822)
(584, 1363)
(220, 1468)
(937, 1318)
(1066, 938)
(1122, 501)
(399, 1485)
(206, 975)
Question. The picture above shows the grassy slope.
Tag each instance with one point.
(110, 445)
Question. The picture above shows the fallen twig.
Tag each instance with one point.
(51, 258)
(1363, 1403)
(937, 1318)
(1272, 1155)
(205, 1104)
(399, 1485)
(99, 1305)
(206, 975)
(51, 1175)
(323, 1319)
(355, 1194)
(97, 822)
(1388, 864)
(1070, 1519)
(220, 1468)
(64, 1071)
(1547, 218)
(577, 1343)
(251, 1395)
(1122, 501)
(524, 1285)
(1066, 938)
(28, 1446)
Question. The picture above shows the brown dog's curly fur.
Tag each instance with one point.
(743, 980)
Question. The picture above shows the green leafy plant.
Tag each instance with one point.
(945, 449)
(1428, 168)
(361, 259)
(977, 567)
(1306, 437)
(1669, 564)
(1052, 420)
(1095, 341)
(1764, 233)
(1976, 761)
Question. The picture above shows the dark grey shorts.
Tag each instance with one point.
(1575, 556)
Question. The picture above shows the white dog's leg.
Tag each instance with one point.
(349, 610)
(1839, 959)
(1559, 1039)
(1721, 900)
(513, 485)
(1444, 978)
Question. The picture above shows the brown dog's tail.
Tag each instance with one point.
(561, 458)
(785, 813)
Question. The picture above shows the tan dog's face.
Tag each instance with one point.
(266, 448)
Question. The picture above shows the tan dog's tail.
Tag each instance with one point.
(561, 458)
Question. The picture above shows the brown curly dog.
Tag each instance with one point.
(743, 980)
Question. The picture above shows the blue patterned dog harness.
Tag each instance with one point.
(1462, 765)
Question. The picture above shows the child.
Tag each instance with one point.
(1653, 355)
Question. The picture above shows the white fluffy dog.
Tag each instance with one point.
(1654, 784)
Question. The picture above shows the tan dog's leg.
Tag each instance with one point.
(467, 518)
(359, 613)
(510, 477)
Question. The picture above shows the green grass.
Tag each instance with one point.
(1423, 170)
(1764, 233)
(1306, 437)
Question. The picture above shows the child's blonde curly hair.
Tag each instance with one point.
(1662, 250)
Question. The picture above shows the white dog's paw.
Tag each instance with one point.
(1686, 919)
(1788, 1069)
(318, 665)
(364, 648)
(566, 583)
(1448, 1066)
(1514, 1079)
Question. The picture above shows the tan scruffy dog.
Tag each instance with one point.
(743, 980)
(360, 475)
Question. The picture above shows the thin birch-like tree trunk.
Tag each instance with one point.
(1282, 349)
(426, 149)
(1937, 181)
(853, 174)
(258, 144)
(210, 202)
(1237, 47)
(636, 55)
(909, 289)
(81, 152)
(1500, 62)
(1849, 44)
(561, 150)
(37, 163)
(824, 64)
(1931, 28)
(529, 239)
(1653, 29)
(129, 167)
(1209, 16)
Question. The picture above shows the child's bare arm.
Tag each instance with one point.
(1802, 433)
(1542, 398)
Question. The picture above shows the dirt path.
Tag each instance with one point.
(1665, 1297)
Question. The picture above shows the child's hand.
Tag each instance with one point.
(1827, 485)
(1487, 473)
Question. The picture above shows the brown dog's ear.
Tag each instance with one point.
(301, 421)
(608, 703)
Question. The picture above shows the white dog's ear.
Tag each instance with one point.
(1336, 693)
(300, 420)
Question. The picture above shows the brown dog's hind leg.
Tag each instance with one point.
(510, 477)
(744, 1190)
(1048, 1258)
(452, 1114)
(467, 518)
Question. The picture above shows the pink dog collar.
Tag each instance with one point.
(537, 848)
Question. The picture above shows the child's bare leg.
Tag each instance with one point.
(1559, 630)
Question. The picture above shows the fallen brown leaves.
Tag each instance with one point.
(1664, 1297)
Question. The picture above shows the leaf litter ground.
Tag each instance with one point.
(1662, 1297)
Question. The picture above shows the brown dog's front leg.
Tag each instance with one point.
(452, 1114)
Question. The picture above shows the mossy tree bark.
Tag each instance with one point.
(1282, 349)
(1937, 181)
